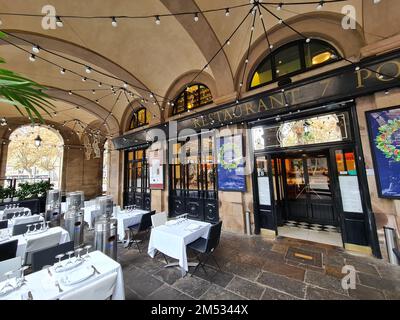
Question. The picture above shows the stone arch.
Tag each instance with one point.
(325, 26)
(85, 54)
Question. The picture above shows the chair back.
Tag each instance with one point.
(3, 224)
(39, 243)
(159, 219)
(145, 222)
(47, 257)
(20, 229)
(26, 220)
(98, 290)
(9, 265)
(8, 250)
(213, 237)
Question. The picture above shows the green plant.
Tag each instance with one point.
(9, 192)
(33, 190)
(23, 94)
(1, 192)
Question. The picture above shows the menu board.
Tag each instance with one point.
(350, 192)
(156, 169)
(264, 194)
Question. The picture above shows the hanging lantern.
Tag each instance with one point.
(38, 141)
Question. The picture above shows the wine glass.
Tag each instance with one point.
(87, 248)
(59, 257)
(78, 254)
(69, 253)
(21, 280)
(48, 225)
(29, 228)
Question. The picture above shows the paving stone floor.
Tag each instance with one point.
(256, 268)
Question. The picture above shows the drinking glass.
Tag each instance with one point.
(59, 257)
(87, 248)
(78, 254)
(29, 228)
(69, 253)
(21, 280)
(48, 225)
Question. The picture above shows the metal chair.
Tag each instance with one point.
(47, 257)
(3, 224)
(8, 250)
(143, 226)
(205, 247)
(20, 229)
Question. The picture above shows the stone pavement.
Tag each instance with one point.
(256, 268)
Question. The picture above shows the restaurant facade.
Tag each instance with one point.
(303, 154)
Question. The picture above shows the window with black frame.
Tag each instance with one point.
(192, 97)
(140, 118)
(293, 58)
(137, 185)
(193, 170)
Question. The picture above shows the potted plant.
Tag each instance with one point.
(8, 193)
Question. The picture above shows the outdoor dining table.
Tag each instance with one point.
(23, 239)
(42, 284)
(125, 219)
(172, 238)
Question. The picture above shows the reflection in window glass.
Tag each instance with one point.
(263, 74)
(317, 53)
(287, 61)
(298, 56)
(140, 117)
(192, 97)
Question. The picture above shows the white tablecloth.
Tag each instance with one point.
(172, 240)
(22, 241)
(126, 219)
(25, 210)
(42, 285)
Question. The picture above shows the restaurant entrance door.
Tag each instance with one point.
(308, 189)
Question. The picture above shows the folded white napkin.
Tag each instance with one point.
(193, 226)
(77, 275)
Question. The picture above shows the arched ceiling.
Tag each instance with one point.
(150, 56)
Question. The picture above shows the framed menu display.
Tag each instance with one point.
(350, 192)
(156, 169)
(264, 194)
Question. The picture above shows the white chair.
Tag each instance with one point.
(39, 243)
(9, 265)
(101, 289)
(159, 219)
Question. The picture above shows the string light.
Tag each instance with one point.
(196, 17)
(35, 49)
(59, 22)
(114, 22)
(62, 71)
(158, 21)
(227, 13)
(32, 58)
(88, 69)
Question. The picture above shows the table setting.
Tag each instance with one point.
(171, 239)
(127, 217)
(77, 271)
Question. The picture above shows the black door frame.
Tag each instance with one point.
(141, 199)
(308, 201)
(348, 221)
(201, 203)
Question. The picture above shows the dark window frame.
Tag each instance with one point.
(135, 118)
(301, 46)
(184, 94)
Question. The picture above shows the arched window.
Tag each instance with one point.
(140, 118)
(293, 58)
(192, 97)
(30, 161)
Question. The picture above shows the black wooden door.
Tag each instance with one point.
(308, 188)
(136, 184)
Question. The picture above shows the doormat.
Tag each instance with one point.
(306, 257)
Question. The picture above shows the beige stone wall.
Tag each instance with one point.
(387, 212)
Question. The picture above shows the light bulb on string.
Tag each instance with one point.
(227, 13)
(35, 49)
(114, 22)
